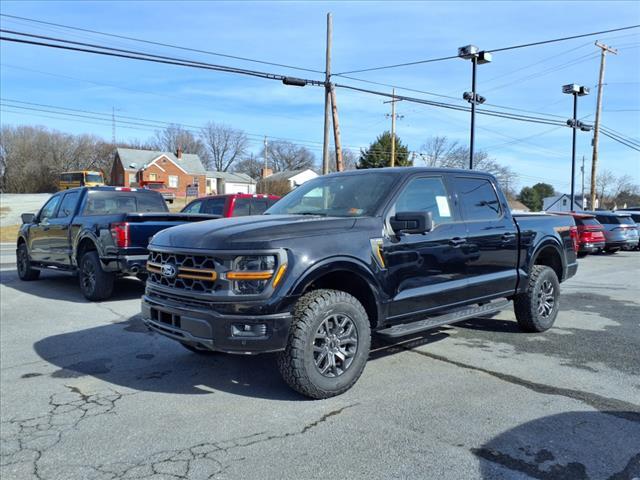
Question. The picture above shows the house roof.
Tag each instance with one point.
(189, 162)
(549, 202)
(287, 174)
(235, 177)
(519, 206)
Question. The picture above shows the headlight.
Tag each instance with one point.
(251, 274)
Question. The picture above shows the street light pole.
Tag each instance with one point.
(573, 150)
(474, 63)
(471, 52)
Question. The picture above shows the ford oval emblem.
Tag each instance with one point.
(169, 270)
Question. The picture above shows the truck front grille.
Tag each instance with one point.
(195, 273)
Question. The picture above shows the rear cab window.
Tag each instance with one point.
(242, 207)
(114, 202)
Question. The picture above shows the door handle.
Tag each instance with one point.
(508, 236)
(457, 241)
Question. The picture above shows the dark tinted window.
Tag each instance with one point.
(194, 207)
(49, 208)
(258, 206)
(108, 203)
(614, 219)
(94, 177)
(242, 207)
(215, 206)
(478, 199)
(68, 205)
(425, 195)
(587, 221)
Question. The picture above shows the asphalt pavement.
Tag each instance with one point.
(86, 392)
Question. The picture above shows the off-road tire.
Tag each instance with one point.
(95, 283)
(526, 304)
(199, 351)
(25, 271)
(297, 364)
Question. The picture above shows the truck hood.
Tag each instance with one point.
(258, 231)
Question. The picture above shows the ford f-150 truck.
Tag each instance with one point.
(388, 251)
(98, 232)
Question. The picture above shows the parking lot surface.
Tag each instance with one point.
(88, 393)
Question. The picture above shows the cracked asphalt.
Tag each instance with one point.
(86, 392)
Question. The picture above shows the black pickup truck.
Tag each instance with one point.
(98, 232)
(389, 251)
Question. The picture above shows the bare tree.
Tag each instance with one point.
(349, 160)
(443, 153)
(224, 144)
(283, 155)
(174, 137)
(249, 165)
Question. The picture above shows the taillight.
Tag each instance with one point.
(573, 231)
(120, 234)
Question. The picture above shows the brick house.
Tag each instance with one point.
(176, 171)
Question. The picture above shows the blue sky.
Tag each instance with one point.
(366, 34)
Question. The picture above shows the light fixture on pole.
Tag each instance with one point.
(575, 124)
(477, 57)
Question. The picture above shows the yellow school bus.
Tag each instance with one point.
(83, 178)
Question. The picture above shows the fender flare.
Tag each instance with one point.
(84, 235)
(341, 263)
(548, 241)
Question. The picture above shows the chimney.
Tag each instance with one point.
(179, 153)
(266, 172)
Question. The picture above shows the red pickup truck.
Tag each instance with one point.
(232, 205)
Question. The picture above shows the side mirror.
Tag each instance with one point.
(28, 217)
(412, 222)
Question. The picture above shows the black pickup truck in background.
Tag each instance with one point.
(389, 251)
(98, 232)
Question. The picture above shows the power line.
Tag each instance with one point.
(150, 42)
(493, 50)
(633, 147)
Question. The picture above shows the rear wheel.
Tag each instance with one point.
(536, 309)
(25, 271)
(95, 283)
(328, 344)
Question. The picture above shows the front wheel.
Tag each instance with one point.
(95, 283)
(25, 271)
(328, 344)
(536, 309)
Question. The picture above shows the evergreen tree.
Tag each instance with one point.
(378, 154)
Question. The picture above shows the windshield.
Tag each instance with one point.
(93, 178)
(337, 196)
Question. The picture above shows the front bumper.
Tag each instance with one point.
(206, 328)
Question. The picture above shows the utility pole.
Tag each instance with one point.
(596, 128)
(327, 97)
(393, 126)
(582, 170)
(336, 131)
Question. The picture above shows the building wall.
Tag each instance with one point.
(164, 170)
(117, 173)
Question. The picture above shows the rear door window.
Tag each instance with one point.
(258, 206)
(242, 207)
(478, 199)
(215, 206)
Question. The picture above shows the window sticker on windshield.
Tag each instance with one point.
(443, 206)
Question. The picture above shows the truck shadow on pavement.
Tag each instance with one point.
(572, 445)
(64, 286)
(126, 353)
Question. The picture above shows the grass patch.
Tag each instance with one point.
(9, 233)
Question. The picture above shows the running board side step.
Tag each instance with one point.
(458, 315)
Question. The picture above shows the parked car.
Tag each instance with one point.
(232, 205)
(392, 251)
(169, 194)
(590, 232)
(98, 232)
(635, 215)
(620, 231)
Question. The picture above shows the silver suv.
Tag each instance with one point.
(620, 231)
